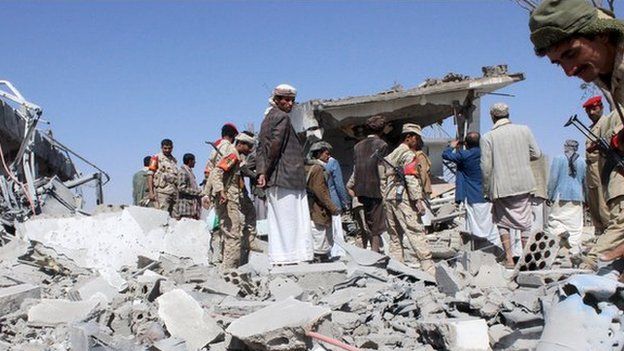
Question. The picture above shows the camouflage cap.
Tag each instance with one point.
(411, 128)
(554, 21)
(320, 145)
(499, 110)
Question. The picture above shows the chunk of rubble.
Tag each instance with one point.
(364, 257)
(113, 240)
(448, 282)
(12, 297)
(401, 269)
(50, 312)
(464, 334)
(317, 277)
(282, 288)
(185, 319)
(280, 326)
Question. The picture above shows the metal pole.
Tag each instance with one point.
(99, 193)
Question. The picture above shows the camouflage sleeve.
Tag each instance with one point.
(217, 180)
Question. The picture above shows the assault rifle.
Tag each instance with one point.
(600, 144)
(398, 171)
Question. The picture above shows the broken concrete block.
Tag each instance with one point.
(448, 282)
(528, 298)
(465, 334)
(280, 326)
(346, 320)
(235, 307)
(12, 297)
(490, 276)
(185, 319)
(257, 265)
(317, 277)
(401, 269)
(498, 332)
(545, 277)
(540, 252)
(219, 286)
(53, 312)
(170, 344)
(364, 257)
(94, 286)
(113, 240)
(188, 238)
(281, 288)
(149, 284)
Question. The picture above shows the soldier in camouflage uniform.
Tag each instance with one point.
(228, 196)
(162, 178)
(404, 201)
(224, 147)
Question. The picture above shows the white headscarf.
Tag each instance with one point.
(280, 90)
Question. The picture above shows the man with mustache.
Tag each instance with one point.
(588, 43)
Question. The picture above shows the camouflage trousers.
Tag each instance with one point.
(237, 227)
(407, 233)
(166, 202)
(614, 233)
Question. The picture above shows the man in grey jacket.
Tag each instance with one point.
(280, 168)
(506, 154)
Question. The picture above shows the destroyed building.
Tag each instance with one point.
(135, 279)
(339, 121)
(38, 173)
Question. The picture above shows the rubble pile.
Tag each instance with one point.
(136, 280)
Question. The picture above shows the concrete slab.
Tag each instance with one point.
(12, 297)
(491, 275)
(116, 239)
(280, 326)
(300, 269)
(185, 319)
(257, 265)
(97, 285)
(546, 277)
(282, 288)
(448, 282)
(461, 334)
(319, 278)
(235, 307)
(54, 312)
(170, 344)
(364, 257)
(397, 267)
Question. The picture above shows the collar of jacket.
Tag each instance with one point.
(501, 122)
(618, 70)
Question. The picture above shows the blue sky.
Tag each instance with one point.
(114, 78)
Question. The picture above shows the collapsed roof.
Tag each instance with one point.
(430, 102)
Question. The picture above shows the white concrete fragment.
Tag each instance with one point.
(185, 319)
(109, 241)
(97, 285)
(460, 334)
(12, 297)
(279, 326)
(54, 312)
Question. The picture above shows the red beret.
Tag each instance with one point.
(593, 101)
